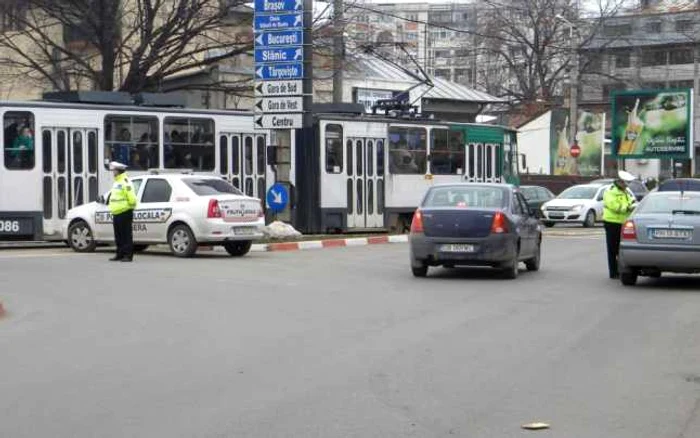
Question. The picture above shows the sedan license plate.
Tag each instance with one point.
(556, 215)
(244, 231)
(665, 233)
(457, 247)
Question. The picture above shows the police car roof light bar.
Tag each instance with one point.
(158, 171)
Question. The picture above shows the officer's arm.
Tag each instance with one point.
(612, 203)
(130, 195)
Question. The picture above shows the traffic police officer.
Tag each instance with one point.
(122, 201)
(618, 203)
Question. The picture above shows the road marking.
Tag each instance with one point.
(31, 255)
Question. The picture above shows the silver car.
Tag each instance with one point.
(662, 235)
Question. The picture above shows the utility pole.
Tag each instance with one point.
(573, 80)
(338, 50)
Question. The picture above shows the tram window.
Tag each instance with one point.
(350, 192)
(132, 140)
(223, 155)
(470, 166)
(192, 143)
(370, 158)
(235, 155)
(48, 197)
(61, 151)
(380, 157)
(380, 196)
(334, 149)
(261, 188)
(19, 140)
(407, 150)
(359, 157)
(260, 155)
(47, 159)
(446, 152)
(489, 161)
(77, 153)
(248, 155)
(92, 152)
(348, 153)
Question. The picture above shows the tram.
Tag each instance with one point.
(360, 172)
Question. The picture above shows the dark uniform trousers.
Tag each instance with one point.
(123, 234)
(612, 239)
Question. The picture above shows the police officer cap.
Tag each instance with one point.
(625, 176)
(117, 166)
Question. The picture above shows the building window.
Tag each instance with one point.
(334, 149)
(617, 30)
(446, 152)
(653, 27)
(191, 143)
(442, 54)
(684, 25)
(407, 150)
(132, 140)
(654, 85)
(622, 58)
(443, 74)
(19, 140)
(609, 88)
(652, 58)
(12, 15)
(681, 55)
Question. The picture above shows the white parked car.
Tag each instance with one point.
(578, 204)
(181, 210)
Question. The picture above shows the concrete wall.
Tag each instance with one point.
(533, 141)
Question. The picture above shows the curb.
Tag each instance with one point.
(324, 244)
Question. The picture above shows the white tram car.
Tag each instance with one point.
(355, 172)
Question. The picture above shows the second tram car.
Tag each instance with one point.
(351, 172)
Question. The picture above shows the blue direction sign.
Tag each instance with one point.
(278, 22)
(272, 72)
(276, 6)
(283, 54)
(279, 38)
(277, 198)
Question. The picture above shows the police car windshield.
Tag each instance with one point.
(579, 192)
(210, 186)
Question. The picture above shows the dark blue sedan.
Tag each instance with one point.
(474, 224)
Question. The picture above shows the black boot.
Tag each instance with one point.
(116, 258)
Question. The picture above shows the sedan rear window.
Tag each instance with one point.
(479, 197)
(666, 204)
(210, 186)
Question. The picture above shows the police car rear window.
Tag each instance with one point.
(210, 186)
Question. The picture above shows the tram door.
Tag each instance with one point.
(242, 162)
(70, 167)
(482, 162)
(365, 183)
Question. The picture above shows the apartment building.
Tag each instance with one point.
(654, 47)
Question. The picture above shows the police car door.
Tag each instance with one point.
(153, 211)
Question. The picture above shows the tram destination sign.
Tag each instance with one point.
(280, 104)
(279, 121)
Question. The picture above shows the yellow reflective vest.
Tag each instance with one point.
(122, 197)
(617, 205)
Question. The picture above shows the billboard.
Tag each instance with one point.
(590, 136)
(652, 124)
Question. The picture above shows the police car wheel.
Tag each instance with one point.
(80, 237)
(238, 249)
(182, 241)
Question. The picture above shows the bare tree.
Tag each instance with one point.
(128, 45)
(526, 44)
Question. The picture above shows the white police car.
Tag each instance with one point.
(182, 210)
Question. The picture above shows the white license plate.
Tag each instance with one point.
(661, 233)
(556, 215)
(457, 247)
(244, 231)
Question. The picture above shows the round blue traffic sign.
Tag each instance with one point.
(277, 198)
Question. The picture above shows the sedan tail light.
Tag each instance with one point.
(213, 211)
(629, 231)
(417, 222)
(499, 225)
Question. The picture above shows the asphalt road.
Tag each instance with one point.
(343, 343)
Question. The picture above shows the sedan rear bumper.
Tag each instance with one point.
(489, 251)
(676, 258)
(218, 231)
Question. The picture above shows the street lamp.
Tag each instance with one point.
(573, 98)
